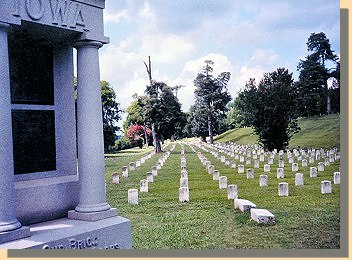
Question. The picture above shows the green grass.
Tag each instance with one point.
(315, 132)
(305, 219)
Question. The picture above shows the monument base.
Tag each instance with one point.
(64, 233)
(16, 234)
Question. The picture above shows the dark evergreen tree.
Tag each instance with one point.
(312, 87)
(213, 95)
(111, 114)
(270, 107)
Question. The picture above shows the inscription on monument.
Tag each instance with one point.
(86, 243)
(64, 13)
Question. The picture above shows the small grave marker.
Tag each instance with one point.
(115, 178)
(326, 187)
(222, 182)
(133, 196)
(263, 180)
(183, 194)
(232, 191)
(283, 189)
(143, 186)
(336, 177)
(299, 179)
(243, 205)
(262, 216)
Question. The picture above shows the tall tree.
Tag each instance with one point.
(213, 94)
(270, 107)
(111, 114)
(314, 74)
(161, 110)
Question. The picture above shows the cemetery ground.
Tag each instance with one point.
(304, 219)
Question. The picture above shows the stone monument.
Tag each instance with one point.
(47, 201)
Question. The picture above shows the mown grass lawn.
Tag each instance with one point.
(319, 132)
(305, 219)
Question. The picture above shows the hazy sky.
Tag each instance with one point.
(246, 38)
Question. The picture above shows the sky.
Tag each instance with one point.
(245, 38)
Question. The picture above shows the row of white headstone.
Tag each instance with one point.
(133, 197)
(258, 215)
(332, 156)
(183, 191)
(263, 180)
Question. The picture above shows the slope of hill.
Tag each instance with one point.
(315, 132)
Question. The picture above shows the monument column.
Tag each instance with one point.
(92, 199)
(8, 220)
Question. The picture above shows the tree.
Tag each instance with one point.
(162, 111)
(135, 116)
(111, 114)
(312, 86)
(270, 107)
(198, 120)
(212, 94)
(136, 135)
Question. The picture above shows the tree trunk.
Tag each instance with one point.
(146, 136)
(157, 147)
(328, 105)
(210, 128)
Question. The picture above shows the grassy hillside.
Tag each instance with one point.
(315, 132)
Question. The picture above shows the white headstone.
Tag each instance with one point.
(327, 162)
(143, 186)
(263, 180)
(183, 194)
(261, 157)
(243, 205)
(311, 159)
(283, 189)
(280, 173)
(184, 174)
(326, 187)
(313, 172)
(320, 167)
(299, 179)
(124, 171)
(222, 182)
(241, 158)
(133, 196)
(183, 182)
(150, 177)
(216, 175)
(266, 167)
(281, 163)
(232, 191)
(248, 161)
(294, 167)
(291, 160)
(211, 169)
(233, 165)
(132, 166)
(336, 177)
(138, 163)
(256, 164)
(262, 216)
(304, 163)
(155, 171)
(270, 161)
(240, 169)
(250, 173)
(115, 178)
